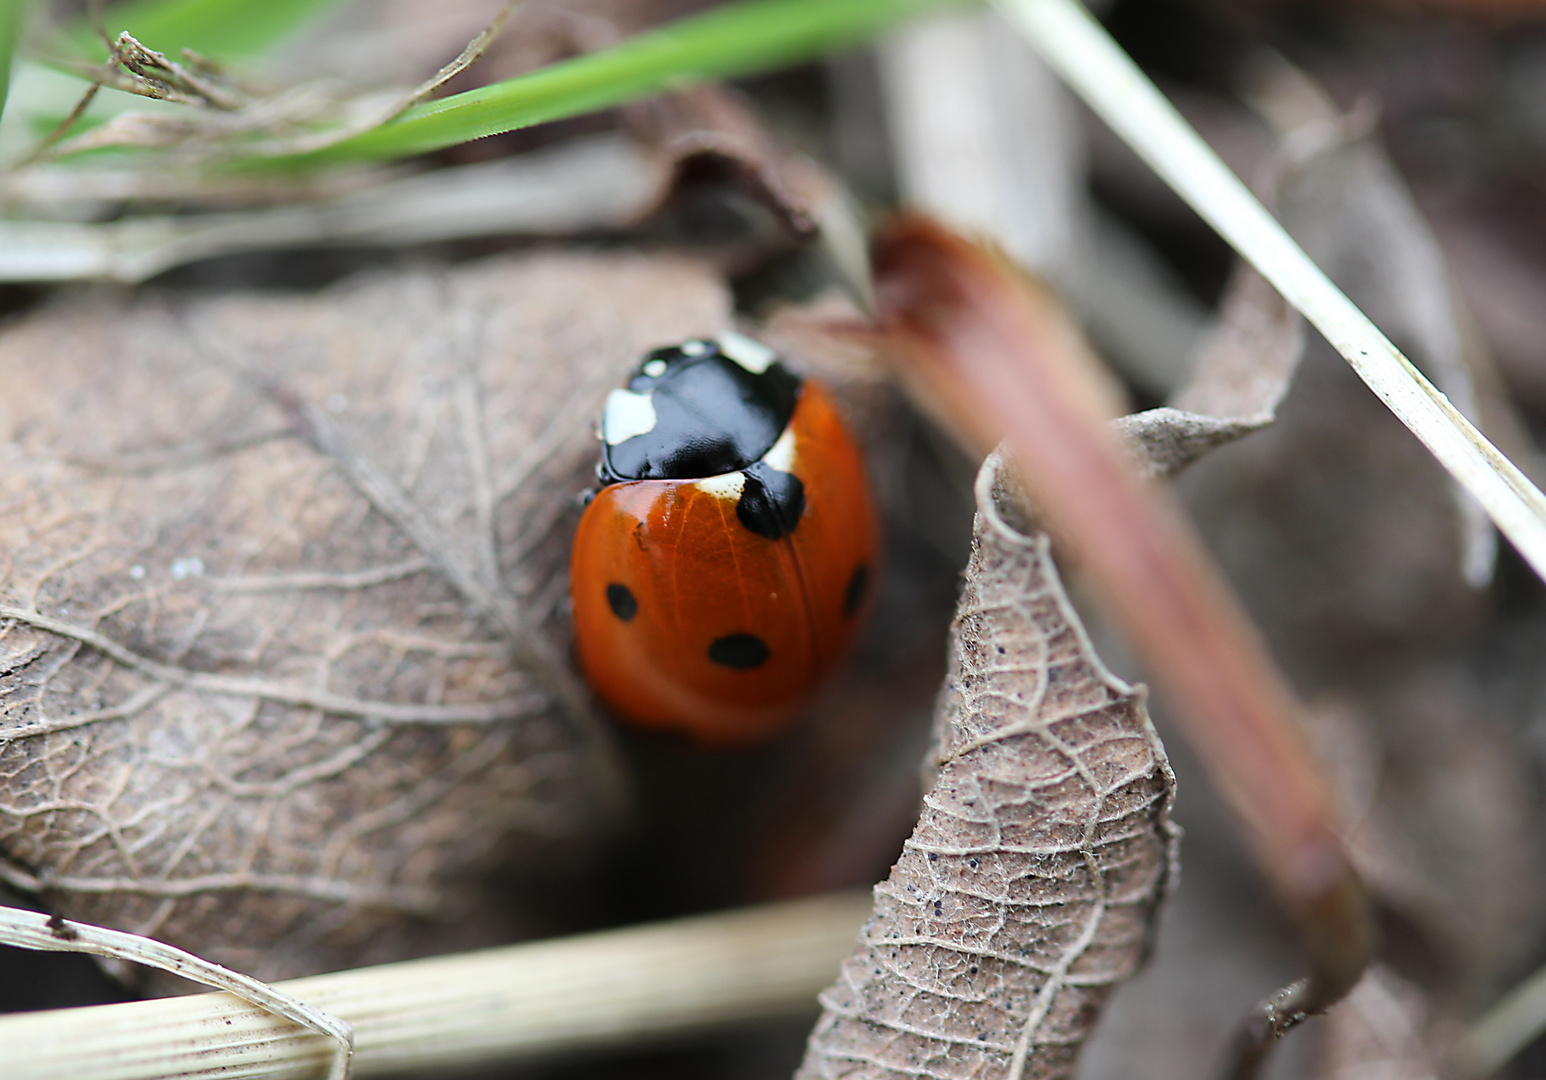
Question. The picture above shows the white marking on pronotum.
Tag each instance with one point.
(781, 454)
(627, 414)
(654, 368)
(694, 347)
(726, 486)
(754, 356)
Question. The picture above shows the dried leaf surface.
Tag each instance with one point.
(1344, 201)
(1163, 441)
(1028, 889)
(1247, 360)
(277, 583)
(1243, 367)
(1353, 553)
(1337, 528)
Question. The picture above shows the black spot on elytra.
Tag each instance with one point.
(858, 586)
(621, 600)
(771, 501)
(739, 651)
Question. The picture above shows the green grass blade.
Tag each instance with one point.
(13, 20)
(736, 39)
(223, 29)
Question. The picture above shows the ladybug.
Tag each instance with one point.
(728, 559)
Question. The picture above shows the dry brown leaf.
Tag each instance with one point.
(1247, 360)
(1346, 204)
(1163, 441)
(1349, 546)
(713, 134)
(1243, 368)
(1338, 529)
(277, 599)
(1336, 521)
(715, 127)
(1029, 887)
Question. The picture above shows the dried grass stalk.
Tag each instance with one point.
(622, 986)
(45, 933)
(1076, 46)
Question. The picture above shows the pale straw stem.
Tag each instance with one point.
(1080, 50)
(636, 985)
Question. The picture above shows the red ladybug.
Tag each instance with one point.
(725, 565)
